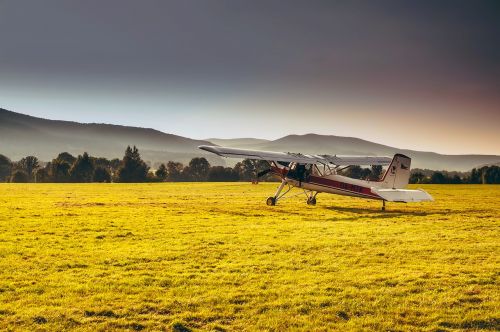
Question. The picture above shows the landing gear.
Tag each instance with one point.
(311, 197)
(271, 201)
(383, 205)
(280, 194)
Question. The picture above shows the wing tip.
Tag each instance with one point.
(209, 148)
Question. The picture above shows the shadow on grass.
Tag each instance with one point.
(479, 324)
(388, 213)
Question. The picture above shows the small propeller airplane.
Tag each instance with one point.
(316, 174)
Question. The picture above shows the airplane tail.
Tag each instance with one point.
(397, 175)
(395, 179)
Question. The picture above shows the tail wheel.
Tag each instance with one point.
(311, 201)
(271, 201)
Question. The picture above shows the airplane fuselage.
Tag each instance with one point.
(337, 184)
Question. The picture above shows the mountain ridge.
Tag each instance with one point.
(341, 145)
(22, 134)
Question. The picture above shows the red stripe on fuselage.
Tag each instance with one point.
(355, 189)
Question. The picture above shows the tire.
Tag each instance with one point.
(311, 201)
(271, 201)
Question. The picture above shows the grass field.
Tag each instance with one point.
(208, 256)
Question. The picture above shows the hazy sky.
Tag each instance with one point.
(413, 74)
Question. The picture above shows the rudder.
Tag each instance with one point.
(397, 175)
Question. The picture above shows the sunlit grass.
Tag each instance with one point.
(215, 257)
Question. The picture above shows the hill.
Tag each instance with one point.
(22, 135)
(329, 144)
(489, 165)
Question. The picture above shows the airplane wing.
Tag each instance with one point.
(297, 157)
(357, 160)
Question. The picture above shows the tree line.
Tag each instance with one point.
(482, 175)
(131, 168)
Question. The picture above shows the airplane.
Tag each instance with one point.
(316, 174)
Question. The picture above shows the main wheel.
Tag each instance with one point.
(311, 201)
(271, 201)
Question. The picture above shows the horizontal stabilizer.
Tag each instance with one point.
(403, 195)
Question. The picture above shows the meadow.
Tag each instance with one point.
(213, 256)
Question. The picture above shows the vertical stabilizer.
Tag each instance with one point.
(398, 173)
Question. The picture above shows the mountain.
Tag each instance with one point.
(489, 165)
(22, 135)
(327, 144)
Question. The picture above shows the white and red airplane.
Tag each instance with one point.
(319, 174)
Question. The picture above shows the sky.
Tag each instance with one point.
(422, 75)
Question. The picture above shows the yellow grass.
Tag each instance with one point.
(215, 257)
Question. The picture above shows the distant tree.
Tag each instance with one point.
(133, 168)
(59, 171)
(438, 178)
(114, 164)
(5, 168)
(151, 177)
(366, 174)
(417, 177)
(101, 174)
(100, 162)
(161, 172)
(198, 169)
(355, 172)
(475, 176)
(247, 169)
(491, 175)
(455, 179)
(186, 174)
(42, 175)
(28, 164)
(82, 169)
(376, 172)
(174, 171)
(66, 157)
(19, 176)
(222, 174)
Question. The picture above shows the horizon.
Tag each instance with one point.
(257, 138)
(416, 75)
